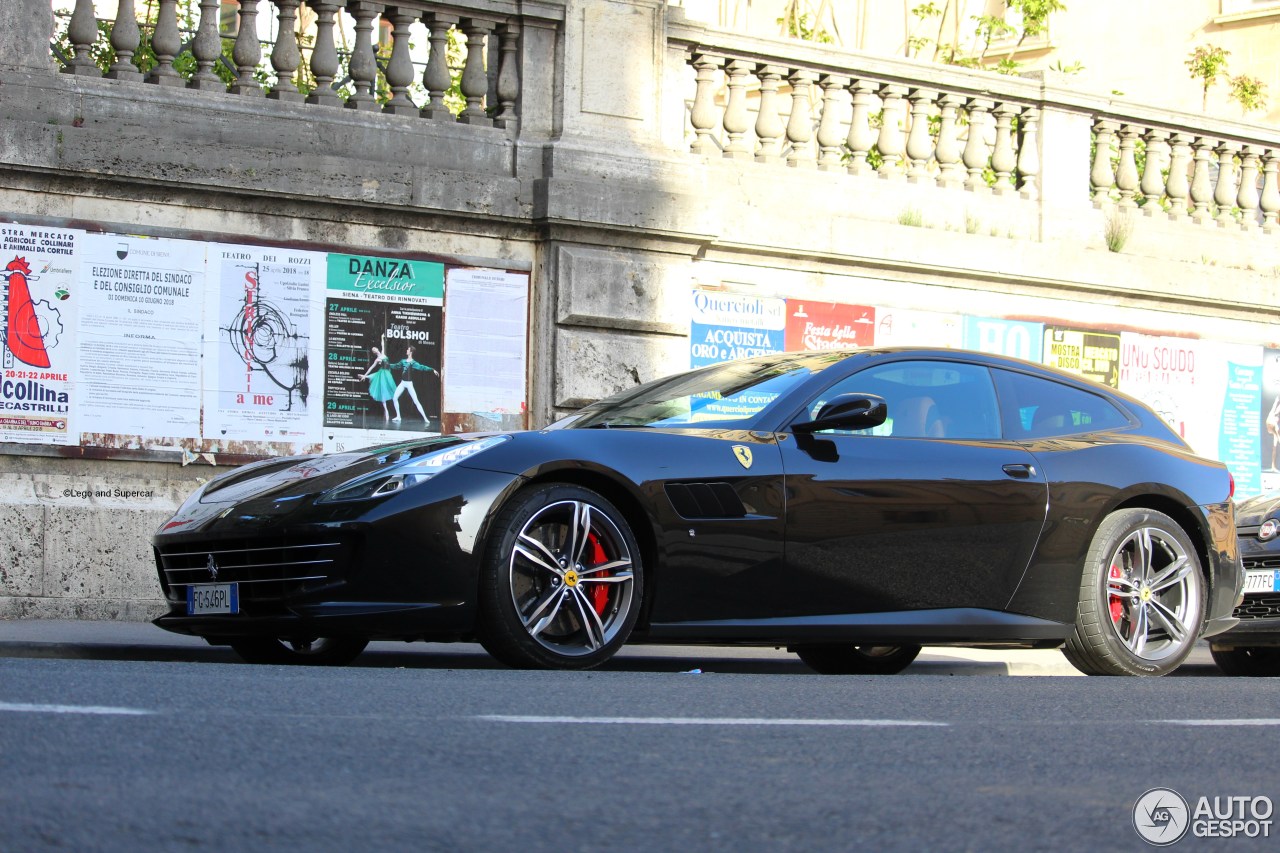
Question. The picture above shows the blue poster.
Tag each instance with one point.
(1240, 435)
(1017, 338)
(726, 326)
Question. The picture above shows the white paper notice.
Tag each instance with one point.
(485, 328)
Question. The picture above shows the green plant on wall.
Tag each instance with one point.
(1208, 64)
(801, 20)
(1249, 92)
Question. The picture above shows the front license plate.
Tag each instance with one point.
(204, 598)
(1263, 581)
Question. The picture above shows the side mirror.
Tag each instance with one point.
(847, 411)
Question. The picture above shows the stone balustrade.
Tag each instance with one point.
(356, 79)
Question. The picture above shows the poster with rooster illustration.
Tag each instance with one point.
(38, 357)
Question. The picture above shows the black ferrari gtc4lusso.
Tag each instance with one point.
(851, 506)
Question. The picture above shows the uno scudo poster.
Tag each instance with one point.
(38, 357)
(139, 338)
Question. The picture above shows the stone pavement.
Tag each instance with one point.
(102, 640)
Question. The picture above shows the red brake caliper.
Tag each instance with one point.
(599, 593)
(1117, 601)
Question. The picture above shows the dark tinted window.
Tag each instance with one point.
(1036, 408)
(926, 399)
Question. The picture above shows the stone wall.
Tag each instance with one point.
(613, 188)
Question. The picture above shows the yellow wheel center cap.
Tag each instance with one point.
(1145, 595)
(571, 578)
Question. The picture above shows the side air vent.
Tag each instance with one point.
(705, 500)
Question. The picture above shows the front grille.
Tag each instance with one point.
(266, 572)
(1259, 605)
(1270, 561)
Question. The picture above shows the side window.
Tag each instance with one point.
(926, 399)
(1039, 408)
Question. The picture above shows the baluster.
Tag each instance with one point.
(1152, 185)
(1029, 153)
(207, 47)
(508, 75)
(800, 123)
(285, 56)
(919, 141)
(324, 56)
(1201, 187)
(975, 147)
(436, 79)
(1101, 176)
(1127, 173)
(1177, 186)
(861, 137)
(951, 171)
(125, 38)
(737, 119)
(769, 126)
(82, 32)
(1270, 201)
(399, 71)
(890, 143)
(166, 42)
(363, 66)
(1247, 200)
(703, 114)
(247, 52)
(475, 83)
(1003, 159)
(831, 128)
(1224, 195)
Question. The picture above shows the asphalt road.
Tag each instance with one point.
(203, 755)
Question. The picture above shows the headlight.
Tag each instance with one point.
(1269, 529)
(402, 475)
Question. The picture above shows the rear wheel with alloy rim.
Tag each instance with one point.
(1142, 597)
(848, 659)
(561, 582)
(1252, 661)
(307, 651)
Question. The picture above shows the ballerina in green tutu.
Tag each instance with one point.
(382, 384)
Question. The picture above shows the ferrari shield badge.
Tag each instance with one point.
(744, 454)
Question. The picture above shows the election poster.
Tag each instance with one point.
(382, 349)
(829, 325)
(38, 305)
(485, 349)
(1092, 354)
(1017, 338)
(260, 370)
(139, 339)
(726, 326)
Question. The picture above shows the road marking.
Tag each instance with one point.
(1259, 722)
(72, 709)
(698, 721)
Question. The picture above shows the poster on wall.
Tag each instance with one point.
(260, 371)
(139, 339)
(726, 326)
(829, 325)
(485, 345)
(907, 327)
(1092, 354)
(382, 349)
(1240, 429)
(1017, 338)
(1269, 420)
(38, 304)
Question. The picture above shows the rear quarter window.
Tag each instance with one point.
(1032, 407)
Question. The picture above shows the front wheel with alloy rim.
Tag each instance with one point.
(848, 659)
(307, 651)
(1250, 661)
(561, 581)
(1142, 597)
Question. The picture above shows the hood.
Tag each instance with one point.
(1253, 511)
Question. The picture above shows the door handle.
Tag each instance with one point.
(1020, 471)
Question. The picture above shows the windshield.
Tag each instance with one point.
(733, 392)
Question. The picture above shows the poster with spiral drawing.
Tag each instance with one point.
(261, 351)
